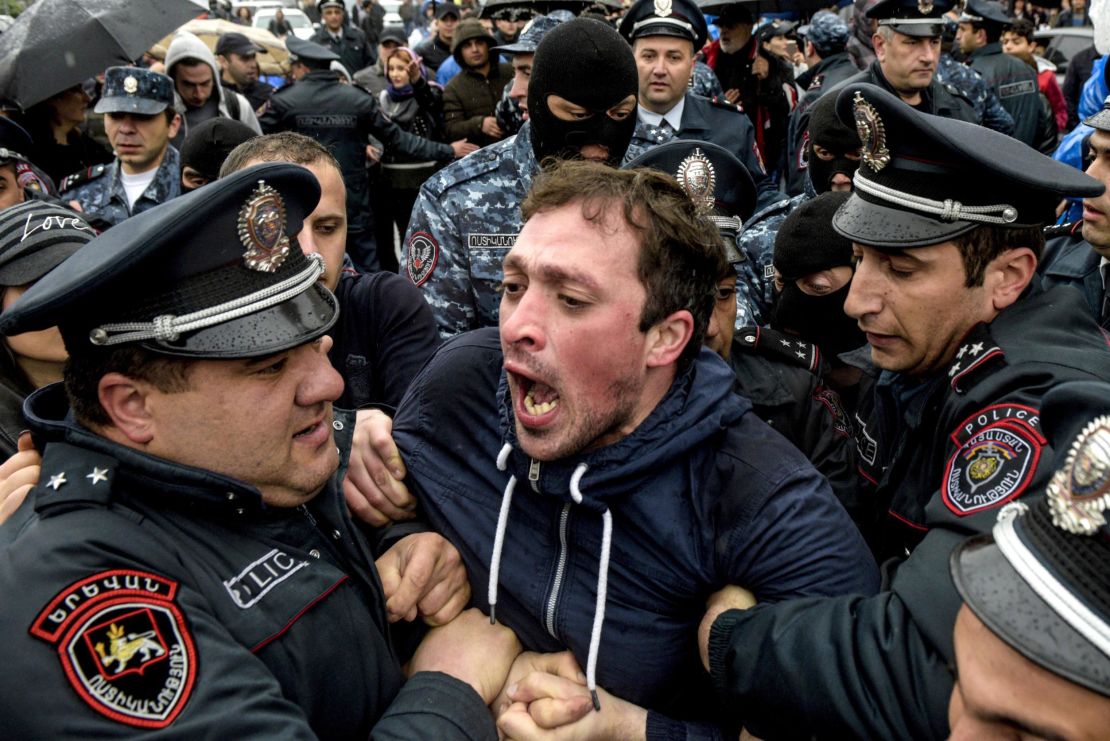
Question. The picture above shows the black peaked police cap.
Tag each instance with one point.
(923, 179)
(714, 179)
(216, 273)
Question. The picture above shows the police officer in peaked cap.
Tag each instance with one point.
(189, 508)
(945, 221)
(659, 30)
(1033, 638)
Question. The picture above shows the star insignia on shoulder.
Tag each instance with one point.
(97, 475)
(785, 343)
(57, 480)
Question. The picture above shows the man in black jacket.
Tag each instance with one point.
(945, 220)
(343, 117)
(347, 42)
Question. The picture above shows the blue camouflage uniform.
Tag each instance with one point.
(465, 220)
(100, 191)
(755, 284)
(981, 95)
(704, 82)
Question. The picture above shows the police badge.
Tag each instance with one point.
(925, 7)
(698, 178)
(872, 133)
(130, 85)
(1079, 493)
(262, 229)
(663, 8)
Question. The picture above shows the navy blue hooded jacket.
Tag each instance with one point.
(701, 495)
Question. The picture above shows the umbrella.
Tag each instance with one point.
(546, 6)
(274, 62)
(55, 44)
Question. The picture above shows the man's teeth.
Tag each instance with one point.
(533, 408)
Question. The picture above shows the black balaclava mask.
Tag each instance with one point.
(806, 244)
(588, 63)
(208, 144)
(826, 130)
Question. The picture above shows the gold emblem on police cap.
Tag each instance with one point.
(262, 229)
(130, 85)
(1079, 493)
(663, 8)
(698, 178)
(872, 133)
(925, 7)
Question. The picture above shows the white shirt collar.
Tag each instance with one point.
(673, 116)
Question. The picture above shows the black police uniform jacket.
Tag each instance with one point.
(342, 118)
(1015, 83)
(938, 460)
(354, 51)
(1070, 260)
(143, 595)
(938, 99)
(782, 376)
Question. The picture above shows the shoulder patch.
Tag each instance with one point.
(831, 401)
(80, 178)
(124, 645)
(1063, 230)
(423, 255)
(724, 104)
(996, 454)
(781, 347)
(977, 358)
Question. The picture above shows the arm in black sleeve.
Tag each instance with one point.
(435, 705)
(400, 141)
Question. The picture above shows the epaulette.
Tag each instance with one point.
(953, 90)
(461, 171)
(80, 178)
(978, 357)
(1063, 230)
(71, 476)
(779, 347)
(725, 105)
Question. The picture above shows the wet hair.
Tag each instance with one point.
(286, 146)
(681, 254)
(983, 244)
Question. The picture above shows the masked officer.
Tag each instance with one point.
(343, 118)
(188, 552)
(140, 121)
(467, 215)
(945, 220)
(665, 36)
(348, 43)
(1032, 655)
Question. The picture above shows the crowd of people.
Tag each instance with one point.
(654, 372)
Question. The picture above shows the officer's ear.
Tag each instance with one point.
(175, 124)
(668, 338)
(1007, 275)
(126, 402)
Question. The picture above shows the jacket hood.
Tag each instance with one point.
(699, 405)
(466, 31)
(188, 46)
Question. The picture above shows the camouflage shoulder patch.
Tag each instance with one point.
(124, 645)
(423, 255)
(80, 178)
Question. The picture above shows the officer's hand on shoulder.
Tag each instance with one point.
(373, 487)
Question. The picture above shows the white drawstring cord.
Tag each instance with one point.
(499, 537)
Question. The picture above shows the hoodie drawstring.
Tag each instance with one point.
(602, 584)
(499, 536)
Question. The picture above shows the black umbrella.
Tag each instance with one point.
(55, 44)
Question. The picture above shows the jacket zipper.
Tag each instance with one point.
(560, 569)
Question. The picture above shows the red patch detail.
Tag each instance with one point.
(990, 466)
(975, 364)
(123, 645)
(1019, 415)
(906, 522)
(267, 641)
(423, 255)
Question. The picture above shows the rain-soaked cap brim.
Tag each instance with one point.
(1014, 612)
(887, 228)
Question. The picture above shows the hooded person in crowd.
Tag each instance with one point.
(198, 94)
